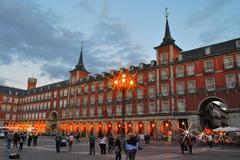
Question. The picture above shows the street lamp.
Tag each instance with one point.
(123, 82)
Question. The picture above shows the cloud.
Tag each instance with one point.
(32, 33)
(29, 32)
(109, 46)
(211, 9)
(227, 28)
(2, 81)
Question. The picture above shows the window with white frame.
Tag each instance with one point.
(208, 66)
(100, 98)
(164, 89)
(228, 62)
(65, 92)
(181, 105)
(91, 111)
(54, 104)
(44, 115)
(164, 74)
(77, 113)
(191, 86)
(72, 90)
(151, 76)
(119, 96)
(129, 109)
(79, 90)
(129, 94)
(65, 103)
(164, 58)
(152, 108)
(180, 87)
(92, 101)
(165, 106)
(78, 101)
(238, 59)
(180, 71)
(190, 69)
(100, 111)
(110, 84)
(109, 110)
(119, 110)
(109, 97)
(100, 86)
(230, 81)
(60, 103)
(140, 108)
(140, 78)
(210, 84)
(84, 112)
(238, 78)
(85, 99)
(151, 92)
(85, 88)
(93, 87)
(139, 93)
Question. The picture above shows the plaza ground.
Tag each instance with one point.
(155, 151)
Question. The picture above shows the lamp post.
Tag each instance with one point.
(122, 83)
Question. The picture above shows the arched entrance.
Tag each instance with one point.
(52, 120)
(213, 113)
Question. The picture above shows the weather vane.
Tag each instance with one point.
(166, 12)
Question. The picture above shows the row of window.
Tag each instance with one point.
(28, 116)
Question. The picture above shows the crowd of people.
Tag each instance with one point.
(19, 138)
(130, 144)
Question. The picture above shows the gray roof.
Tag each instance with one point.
(215, 49)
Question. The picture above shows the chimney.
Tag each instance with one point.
(31, 83)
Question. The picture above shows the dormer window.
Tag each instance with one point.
(141, 65)
(207, 50)
(153, 63)
(132, 68)
(179, 58)
(238, 43)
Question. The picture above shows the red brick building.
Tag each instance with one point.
(200, 87)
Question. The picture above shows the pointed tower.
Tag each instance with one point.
(167, 51)
(79, 71)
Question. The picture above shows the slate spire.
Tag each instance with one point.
(80, 65)
(167, 39)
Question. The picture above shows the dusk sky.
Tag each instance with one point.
(42, 38)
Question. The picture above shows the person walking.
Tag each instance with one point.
(102, 143)
(30, 137)
(58, 140)
(110, 143)
(210, 140)
(15, 139)
(131, 146)
(35, 138)
(118, 149)
(9, 139)
(70, 141)
(21, 141)
(92, 140)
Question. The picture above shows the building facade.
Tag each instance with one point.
(198, 88)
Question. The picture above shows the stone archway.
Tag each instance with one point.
(213, 113)
(53, 119)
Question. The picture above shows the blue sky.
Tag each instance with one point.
(43, 38)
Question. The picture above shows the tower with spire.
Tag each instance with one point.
(79, 71)
(167, 51)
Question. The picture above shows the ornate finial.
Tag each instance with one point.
(82, 44)
(166, 12)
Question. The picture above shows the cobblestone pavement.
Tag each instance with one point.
(155, 151)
